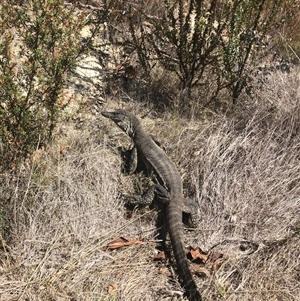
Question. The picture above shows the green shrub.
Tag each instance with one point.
(39, 45)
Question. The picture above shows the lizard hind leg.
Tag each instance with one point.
(141, 200)
(190, 213)
(162, 194)
(154, 191)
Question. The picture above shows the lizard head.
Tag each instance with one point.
(124, 120)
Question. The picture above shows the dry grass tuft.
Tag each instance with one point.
(243, 170)
(66, 212)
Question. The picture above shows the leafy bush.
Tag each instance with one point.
(39, 45)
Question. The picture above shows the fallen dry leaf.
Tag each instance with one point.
(197, 255)
(215, 260)
(215, 255)
(121, 242)
(161, 256)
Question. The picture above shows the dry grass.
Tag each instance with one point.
(65, 211)
(245, 177)
(243, 170)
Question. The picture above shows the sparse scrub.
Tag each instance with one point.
(205, 48)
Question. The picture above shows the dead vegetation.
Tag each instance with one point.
(66, 234)
(243, 171)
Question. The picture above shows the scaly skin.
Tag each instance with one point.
(170, 179)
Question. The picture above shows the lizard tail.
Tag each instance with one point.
(175, 231)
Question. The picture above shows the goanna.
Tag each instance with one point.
(168, 187)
